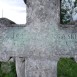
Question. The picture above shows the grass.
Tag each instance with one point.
(67, 67)
(7, 69)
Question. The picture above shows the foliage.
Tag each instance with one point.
(25, 1)
(67, 7)
(67, 68)
(7, 69)
(75, 3)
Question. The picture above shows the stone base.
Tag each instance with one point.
(36, 68)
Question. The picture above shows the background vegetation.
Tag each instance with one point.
(67, 12)
(7, 69)
(67, 67)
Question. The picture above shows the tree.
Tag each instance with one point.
(67, 7)
(75, 3)
(25, 1)
(64, 12)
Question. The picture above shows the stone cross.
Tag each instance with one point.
(37, 45)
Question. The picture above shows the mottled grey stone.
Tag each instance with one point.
(6, 22)
(20, 67)
(75, 57)
(40, 68)
(41, 42)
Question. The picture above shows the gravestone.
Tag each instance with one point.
(37, 45)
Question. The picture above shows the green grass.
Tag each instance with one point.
(7, 69)
(67, 67)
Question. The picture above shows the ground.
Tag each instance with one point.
(67, 67)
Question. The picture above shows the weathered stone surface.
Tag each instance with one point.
(42, 41)
(40, 68)
(6, 22)
(20, 67)
(41, 36)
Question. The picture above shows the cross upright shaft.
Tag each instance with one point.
(41, 11)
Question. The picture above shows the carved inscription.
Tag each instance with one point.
(67, 36)
(67, 41)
